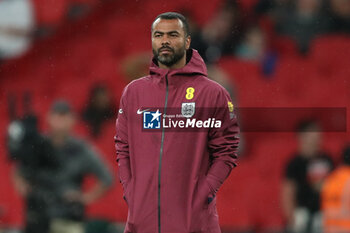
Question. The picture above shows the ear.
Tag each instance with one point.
(188, 42)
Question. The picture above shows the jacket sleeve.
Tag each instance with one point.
(222, 142)
(121, 142)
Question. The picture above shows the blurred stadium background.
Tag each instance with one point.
(58, 49)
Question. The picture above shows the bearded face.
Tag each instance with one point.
(169, 42)
(168, 55)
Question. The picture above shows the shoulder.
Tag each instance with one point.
(76, 141)
(86, 149)
(137, 84)
(325, 155)
(296, 160)
(327, 158)
(212, 87)
(209, 83)
(295, 167)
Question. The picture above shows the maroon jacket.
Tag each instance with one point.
(170, 176)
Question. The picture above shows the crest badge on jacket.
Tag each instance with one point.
(188, 109)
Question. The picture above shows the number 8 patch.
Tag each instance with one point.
(189, 93)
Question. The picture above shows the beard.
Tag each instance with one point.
(169, 59)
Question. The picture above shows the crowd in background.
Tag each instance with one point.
(23, 22)
(247, 34)
(260, 33)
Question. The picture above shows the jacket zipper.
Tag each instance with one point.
(161, 151)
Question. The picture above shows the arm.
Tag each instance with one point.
(94, 165)
(121, 143)
(223, 143)
(288, 200)
(289, 191)
(98, 190)
(20, 184)
(104, 177)
(88, 197)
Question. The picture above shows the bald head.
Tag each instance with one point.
(173, 16)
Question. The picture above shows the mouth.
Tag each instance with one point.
(165, 50)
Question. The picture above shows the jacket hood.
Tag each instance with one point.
(194, 66)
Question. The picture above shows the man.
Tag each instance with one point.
(336, 198)
(304, 176)
(63, 201)
(170, 170)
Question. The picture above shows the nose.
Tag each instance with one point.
(165, 40)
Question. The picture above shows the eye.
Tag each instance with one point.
(157, 35)
(174, 35)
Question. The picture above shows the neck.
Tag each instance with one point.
(308, 152)
(181, 63)
(58, 139)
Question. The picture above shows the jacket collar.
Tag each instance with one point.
(194, 66)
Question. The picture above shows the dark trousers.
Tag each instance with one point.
(37, 218)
